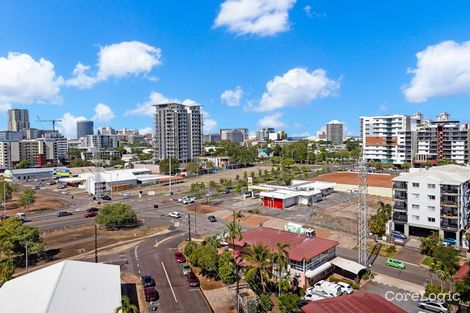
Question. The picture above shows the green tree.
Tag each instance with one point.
(445, 262)
(80, 163)
(189, 248)
(22, 164)
(289, 303)
(208, 260)
(212, 185)
(116, 215)
(405, 166)
(288, 162)
(165, 166)
(430, 243)
(14, 234)
(193, 167)
(209, 164)
(27, 197)
(264, 303)
(287, 178)
(280, 258)
(226, 270)
(342, 155)
(462, 288)
(378, 221)
(4, 186)
(74, 153)
(7, 268)
(126, 306)
(259, 255)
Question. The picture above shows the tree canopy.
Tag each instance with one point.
(116, 215)
(27, 197)
(22, 164)
(165, 166)
(14, 234)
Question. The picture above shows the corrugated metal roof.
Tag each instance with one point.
(445, 174)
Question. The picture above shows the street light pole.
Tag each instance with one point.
(169, 158)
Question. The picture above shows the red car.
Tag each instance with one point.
(151, 294)
(179, 257)
(90, 214)
(193, 280)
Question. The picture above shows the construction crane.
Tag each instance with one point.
(362, 226)
(49, 121)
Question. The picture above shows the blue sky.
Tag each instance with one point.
(289, 64)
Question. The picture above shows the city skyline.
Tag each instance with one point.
(278, 74)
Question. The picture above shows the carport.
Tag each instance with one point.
(347, 268)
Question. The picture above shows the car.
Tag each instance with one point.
(151, 294)
(433, 306)
(212, 218)
(148, 281)
(179, 257)
(180, 200)
(63, 213)
(90, 214)
(185, 268)
(395, 263)
(450, 242)
(346, 288)
(398, 234)
(108, 198)
(61, 186)
(314, 295)
(227, 191)
(191, 199)
(174, 214)
(92, 210)
(328, 288)
(3, 217)
(193, 280)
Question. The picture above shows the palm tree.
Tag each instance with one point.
(126, 306)
(234, 230)
(281, 259)
(259, 255)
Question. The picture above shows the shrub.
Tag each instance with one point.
(116, 215)
(264, 303)
(189, 248)
(391, 249)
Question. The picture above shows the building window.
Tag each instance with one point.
(431, 219)
(431, 197)
(432, 186)
(415, 195)
(415, 206)
(415, 217)
(431, 208)
(415, 185)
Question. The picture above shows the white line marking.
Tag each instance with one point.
(169, 282)
(135, 250)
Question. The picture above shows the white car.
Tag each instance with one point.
(191, 199)
(180, 200)
(314, 295)
(346, 289)
(174, 214)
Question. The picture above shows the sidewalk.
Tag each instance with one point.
(398, 283)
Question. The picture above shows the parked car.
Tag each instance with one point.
(174, 214)
(148, 281)
(314, 295)
(151, 294)
(450, 242)
(61, 186)
(193, 280)
(399, 241)
(227, 191)
(212, 218)
(433, 306)
(92, 210)
(328, 288)
(395, 263)
(3, 217)
(90, 214)
(179, 257)
(346, 288)
(180, 200)
(185, 268)
(398, 234)
(106, 197)
(63, 213)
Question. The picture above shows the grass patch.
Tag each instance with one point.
(427, 261)
(387, 250)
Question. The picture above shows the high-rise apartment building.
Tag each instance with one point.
(335, 132)
(106, 131)
(263, 134)
(211, 138)
(99, 142)
(40, 152)
(178, 131)
(18, 119)
(234, 134)
(433, 199)
(84, 128)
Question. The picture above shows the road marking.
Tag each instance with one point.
(169, 282)
(135, 251)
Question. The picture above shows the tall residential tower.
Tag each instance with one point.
(18, 120)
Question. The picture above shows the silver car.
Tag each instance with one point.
(433, 306)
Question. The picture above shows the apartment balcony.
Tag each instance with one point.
(400, 218)
(449, 224)
(400, 185)
(449, 213)
(400, 195)
(449, 189)
(449, 203)
(400, 206)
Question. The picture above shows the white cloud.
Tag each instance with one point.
(25, 80)
(442, 70)
(232, 97)
(259, 17)
(146, 130)
(308, 10)
(103, 113)
(296, 87)
(209, 123)
(273, 120)
(68, 126)
(5, 107)
(146, 108)
(118, 60)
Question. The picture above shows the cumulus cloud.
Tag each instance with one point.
(273, 120)
(232, 97)
(103, 113)
(258, 17)
(209, 123)
(118, 60)
(146, 130)
(296, 87)
(25, 80)
(5, 107)
(146, 108)
(442, 70)
(68, 126)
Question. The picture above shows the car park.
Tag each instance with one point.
(193, 280)
(179, 257)
(395, 263)
(433, 306)
(90, 214)
(212, 218)
(63, 213)
(92, 209)
(185, 268)
(148, 281)
(346, 288)
(174, 214)
(398, 234)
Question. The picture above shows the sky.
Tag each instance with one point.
(288, 64)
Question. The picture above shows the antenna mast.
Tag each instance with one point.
(362, 226)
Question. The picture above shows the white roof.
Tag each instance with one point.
(68, 286)
(447, 174)
(279, 194)
(348, 265)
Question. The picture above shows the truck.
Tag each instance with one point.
(21, 217)
(299, 229)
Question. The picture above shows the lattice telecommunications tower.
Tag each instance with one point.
(362, 226)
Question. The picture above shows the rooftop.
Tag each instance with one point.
(300, 246)
(446, 174)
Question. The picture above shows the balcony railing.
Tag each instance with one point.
(449, 214)
(400, 218)
(400, 196)
(450, 226)
(447, 202)
(454, 190)
(400, 206)
(398, 185)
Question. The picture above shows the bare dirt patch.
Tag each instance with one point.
(351, 178)
(202, 208)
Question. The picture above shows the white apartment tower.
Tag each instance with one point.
(18, 119)
(178, 131)
(335, 132)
